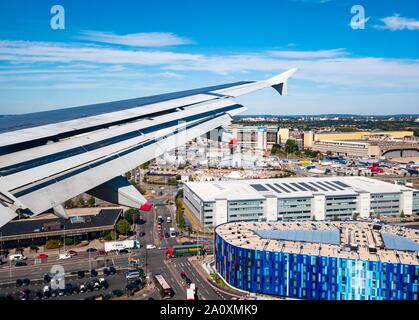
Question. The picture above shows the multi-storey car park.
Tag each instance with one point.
(327, 260)
(325, 198)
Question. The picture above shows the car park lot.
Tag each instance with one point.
(74, 288)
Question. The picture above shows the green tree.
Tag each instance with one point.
(91, 202)
(109, 235)
(291, 146)
(132, 215)
(402, 215)
(69, 204)
(128, 175)
(81, 203)
(123, 226)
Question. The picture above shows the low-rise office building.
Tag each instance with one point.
(319, 260)
(323, 198)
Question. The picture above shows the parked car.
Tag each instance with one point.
(47, 278)
(89, 286)
(82, 288)
(97, 285)
(26, 281)
(132, 274)
(24, 294)
(101, 253)
(104, 283)
(112, 270)
(91, 250)
(38, 295)
(123, 251)
(117, 293)
(20, 263)
(150, 246)
(69, 289)
(80, 274)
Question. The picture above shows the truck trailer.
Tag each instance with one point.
(120, 245)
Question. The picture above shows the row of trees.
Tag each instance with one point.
(180, 210)
(80, 203)
(291, 147)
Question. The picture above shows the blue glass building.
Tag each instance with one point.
(304, 276)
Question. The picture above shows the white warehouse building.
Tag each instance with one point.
(326, 198)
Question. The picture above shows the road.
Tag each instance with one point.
(153, 260)
(170, 269)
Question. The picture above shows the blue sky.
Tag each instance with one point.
(112, 50)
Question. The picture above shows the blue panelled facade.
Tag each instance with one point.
(314, 277)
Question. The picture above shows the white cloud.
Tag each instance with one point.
(308, 54)
(396, 22)
(334, 67)
(152, 39)
(28, 51)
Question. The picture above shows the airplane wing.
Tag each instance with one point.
(49, 157)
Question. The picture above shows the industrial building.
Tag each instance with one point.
(318, 198)
(311, 137)
(319, 260)
(368, 148)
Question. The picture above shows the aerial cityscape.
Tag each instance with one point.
(145, 157)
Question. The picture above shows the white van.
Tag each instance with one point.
(169, 219)
(16, 257)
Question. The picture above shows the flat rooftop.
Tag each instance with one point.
(291, 187)
(352, 240)
(35, 228)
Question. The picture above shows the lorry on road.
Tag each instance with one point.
(121, 245)
(184, 250)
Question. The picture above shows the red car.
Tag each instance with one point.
(101, 253)
(42, 256)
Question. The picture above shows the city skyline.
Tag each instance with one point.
(112, 51)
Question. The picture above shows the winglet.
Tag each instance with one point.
(280, 82)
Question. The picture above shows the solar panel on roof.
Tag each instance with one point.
(273, 188)
(341, 184)
(288, 186)
(282, 188)
(331, 236)
(395, 242)
(326, 186)
(309, 187)
(318, 186)
(334, 185)
(297, 185)
(258, 187)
